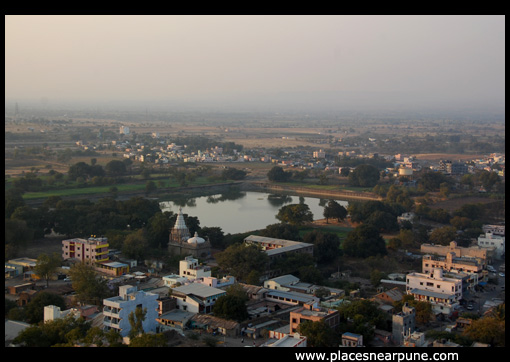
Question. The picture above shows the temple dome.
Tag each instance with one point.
(196, 239)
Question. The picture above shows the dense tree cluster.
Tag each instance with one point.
(277, 174)
(364, 176)
(380, 214)
(233, 174)
(295, 214)
(364, 241)
(334, 210)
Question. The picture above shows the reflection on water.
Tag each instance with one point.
(239, 211)
(279, 200)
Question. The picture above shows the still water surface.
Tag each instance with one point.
(242, 211)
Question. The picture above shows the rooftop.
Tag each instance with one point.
(200, 290)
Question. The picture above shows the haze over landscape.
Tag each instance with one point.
(295, 181)
(446, 64)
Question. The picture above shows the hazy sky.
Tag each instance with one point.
(445, 59)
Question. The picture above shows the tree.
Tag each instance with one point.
(46, 266)
(34, 310)
(318, 334)
(17, 235)
(443, 235)
(13, 200)
(383, 221)
(59, 332)
(488, 179)
(281, 231)
(136, 319)
(345, 171)
(364, 241)
(148, 340)
(295, 214)
(150, 187)
(89, 287)
(214, 234)
(364, 176)
(231, 307)
(364, 313)
(158, 229)
(240, 259)
(326, 245)
(334, 210)
(277, 174)
(115, 168)
(431, 181)
(292, 263)
(423, 309)
(233, 174)
(136, 244)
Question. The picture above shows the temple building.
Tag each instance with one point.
(181, 243)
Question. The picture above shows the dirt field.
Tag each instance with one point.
(454, 204)
(47, 245)
(446, 156)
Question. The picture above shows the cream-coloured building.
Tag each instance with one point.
(485, 254)
(444, 294)
(470, 269)
(451, 262)
(191, 269)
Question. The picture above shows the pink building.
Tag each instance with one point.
(89, 250)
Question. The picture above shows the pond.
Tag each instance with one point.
(242, 211)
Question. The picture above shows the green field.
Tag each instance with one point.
(74, 190)
(82, 191)
(341, 231)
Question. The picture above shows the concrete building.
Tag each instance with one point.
(442, 293)
(282, 338)
(313, 314)
(451, 262)
(190, 268)
(351, 340)
(196, 297)
(493, 241)
(470, 270)
(173, 280)
(281, 283)
(403, 324)
(112, 268)
(116, 310)
(319, 154)
(291, 298)
(277, 248)
(453, 168)
(494, 229)
(90, 251)
(485, 254)
(52, 312)
(124, 130)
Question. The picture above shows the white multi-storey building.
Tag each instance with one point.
(196, 297)
(442, 293)
(191, 269)
(491, 240)
(117, 309)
